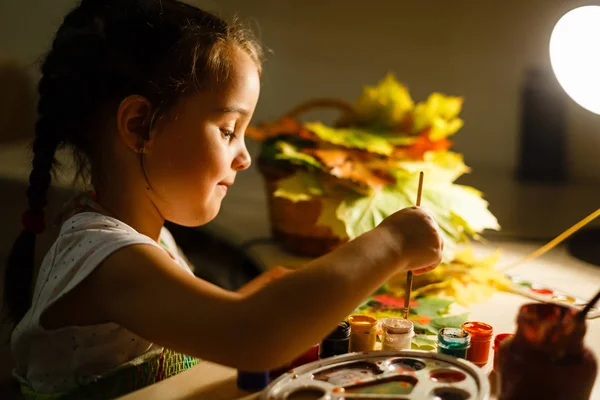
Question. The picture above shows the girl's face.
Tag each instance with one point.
(198, 148)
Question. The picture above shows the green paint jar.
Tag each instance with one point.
(454, 342)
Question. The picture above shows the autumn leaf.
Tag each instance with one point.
(393, 301)
(421, 319)
(345, 165)
(431, 306)
(330, 157)
(384, 105)
(423, 328)
(291, 154)
(283, 126)
(360, 214)
(301, 186)
(468, 204)
(450, 321)
(421, 145)
(424, 342)
(328, 217)
(351, 138)
(438, 115)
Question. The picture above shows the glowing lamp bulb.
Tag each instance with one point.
(575, 55)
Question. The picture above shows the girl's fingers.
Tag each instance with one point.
(423, 270)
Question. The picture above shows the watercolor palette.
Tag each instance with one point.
(546, 294)
(406, 374)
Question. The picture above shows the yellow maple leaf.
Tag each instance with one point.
(384, 105)
(439, 114)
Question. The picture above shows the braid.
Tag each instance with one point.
(20, 266)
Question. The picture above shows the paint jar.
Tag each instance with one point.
(481, 339)
(497, 340)
(309, 356)
(397, 334)
(453, 342)
(337, 342)
(252, 381)
(546, 358)
(363, 332)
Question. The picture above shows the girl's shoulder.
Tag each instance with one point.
(94, 222)
(85, 240)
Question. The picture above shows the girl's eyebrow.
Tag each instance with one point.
(233, 109)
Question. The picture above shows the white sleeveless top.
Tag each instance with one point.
(50, 361)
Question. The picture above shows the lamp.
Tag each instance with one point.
(575, 60)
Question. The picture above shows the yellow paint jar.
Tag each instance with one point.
(363, 332)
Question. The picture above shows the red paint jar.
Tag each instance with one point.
(546, 358)
(481, 339)
(309, 356)
(499, 339)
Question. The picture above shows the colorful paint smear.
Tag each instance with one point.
(564, 298)
(406, 365)
(350, 374)
(395, 385)
(447, 376)
(545, 294)
(542, 291)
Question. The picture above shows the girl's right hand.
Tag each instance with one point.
(414, 235)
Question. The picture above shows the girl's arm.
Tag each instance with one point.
(264, 279)
(141, 289)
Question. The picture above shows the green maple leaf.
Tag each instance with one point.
(424, 342)
(431, 306)
(449, 321)
(424, 329)
(360, 214)
(352, 138)
(290, 153)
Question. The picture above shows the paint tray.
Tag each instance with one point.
(406, 374)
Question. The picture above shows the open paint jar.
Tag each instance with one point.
(481, 339)
(454, 342)
(547, 357)
(497, 341)
(363, 332)
(337, 342)
(396, 334)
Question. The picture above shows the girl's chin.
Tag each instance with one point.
(198, 218)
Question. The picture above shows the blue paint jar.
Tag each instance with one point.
(454, 342)
(252, 381)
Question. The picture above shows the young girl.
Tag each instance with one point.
(154, 97)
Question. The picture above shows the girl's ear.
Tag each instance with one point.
(134, 118)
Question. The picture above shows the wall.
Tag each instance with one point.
(476, 49)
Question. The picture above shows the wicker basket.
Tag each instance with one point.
(293, 225)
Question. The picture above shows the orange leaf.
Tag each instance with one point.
(422, 144)
(344, 164)
(329, 157)
(421, 319)
(283, 126)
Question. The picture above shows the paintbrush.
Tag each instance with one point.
(581, 315)
(556, 241)
(561, 345)
(409, 274)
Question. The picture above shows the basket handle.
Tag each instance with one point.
(346, 108)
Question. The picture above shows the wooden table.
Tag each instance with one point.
(557, 269)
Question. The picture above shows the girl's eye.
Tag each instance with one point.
(229, 135)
